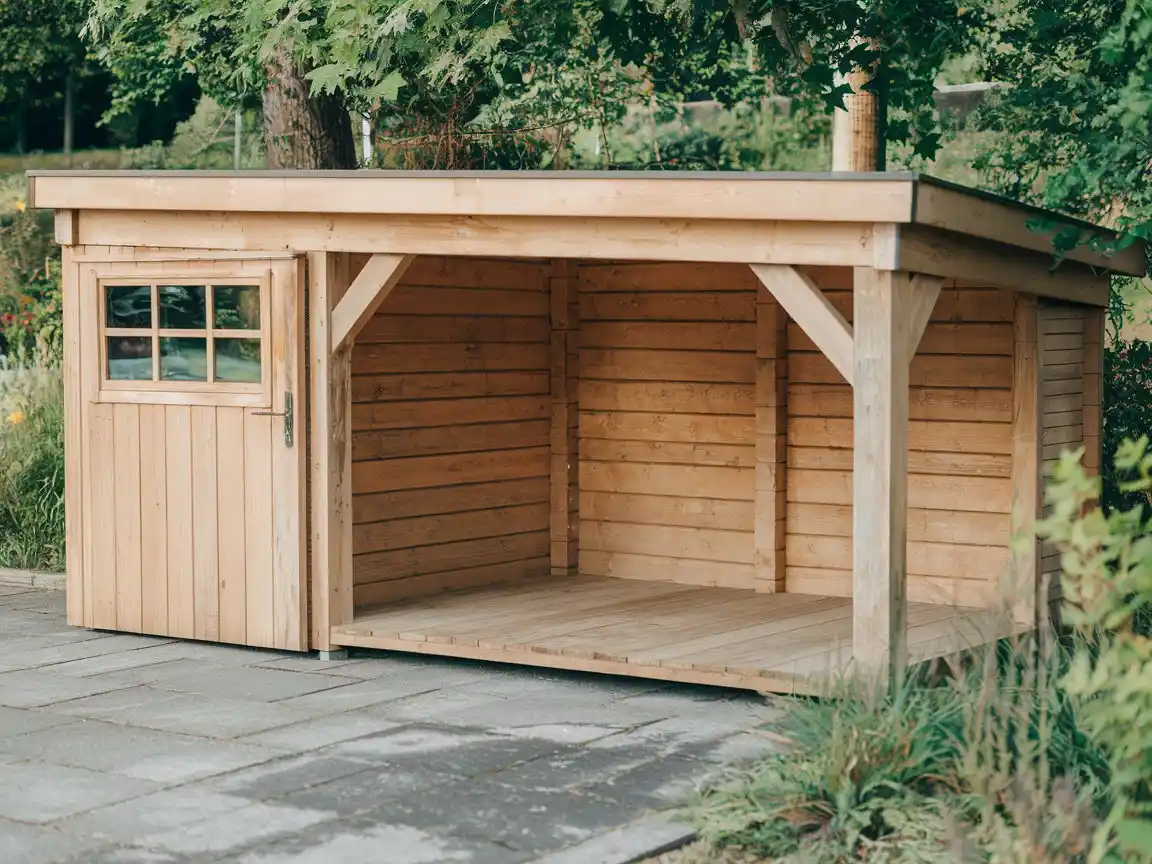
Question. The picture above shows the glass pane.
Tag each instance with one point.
(183, 358)
(182, 307)
(237, 307)
(129, 306)
(130, 358)
(238, 360)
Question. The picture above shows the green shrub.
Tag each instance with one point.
(31, 467)
(1106, 559)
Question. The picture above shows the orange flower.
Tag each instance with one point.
(16, 417)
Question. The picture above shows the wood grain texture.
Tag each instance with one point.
(454, 455)
(1026, 492)
(669, 395)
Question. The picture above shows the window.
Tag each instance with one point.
(185, 334)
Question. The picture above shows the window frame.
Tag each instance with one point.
(251, 394)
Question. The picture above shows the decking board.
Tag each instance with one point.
(729, 637)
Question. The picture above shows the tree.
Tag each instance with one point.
(468, 82)
(37, 39)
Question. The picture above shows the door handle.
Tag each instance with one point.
(287, 414)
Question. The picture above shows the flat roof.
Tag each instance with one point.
(893, 197)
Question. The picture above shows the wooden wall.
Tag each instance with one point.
(667, 440)
(450, 430)
(1064, 334)
(960, 445)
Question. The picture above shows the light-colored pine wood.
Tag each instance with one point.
(259, 568)
(154, 518)
(925, 403)
(806, 304)
(205, 524)
(180, 543)
(1026, 492)
(360, 300)
(564, 523)
(712, 635)
(74, 500)
(926, 291)
(233, 529)
(126, 518)
(883, 302)
(331, 410)
(102, 504)
(771, 442)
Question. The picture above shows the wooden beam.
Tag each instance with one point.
(66, 229)
(1026, 486)
(925, 292)
(818, 243)
(380, 275)
(953, 256)
(570, 194)
(564, 435)
(959, 211)
(806, 304)
(881, 306)
(771, 442)
(331, 451)
(1094, 338)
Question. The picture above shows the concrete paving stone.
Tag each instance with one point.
(233, 831)
(363, 844)
(688, 731)
(37, 792)
(735, 749)
(365, 790)
(471, 708)
(646, 837)
(130, 855)
(165, 757)
(313, 734)
(530, 821)
(42, 602)
(659, 783)
(48, 657)
(445, 750)
(250, 683)
(361, 694)
(160, 667)
(221, 655)
(161, 811)
(526, 681)
(19, 721)
(576, 768)
(119, 662)
(273, 780)
(561, 733)
(35, 844)
(12, 590)
(311, 663)
(181, 712)
(32, 688)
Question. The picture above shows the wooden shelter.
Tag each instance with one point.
(730, 429)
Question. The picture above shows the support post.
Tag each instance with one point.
(771, 442)
(331, 450)
(883, 301)
(565, 486)
(1094, 322)
(1026, 487)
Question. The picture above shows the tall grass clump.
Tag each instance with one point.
(1035, 749)
(31, 467)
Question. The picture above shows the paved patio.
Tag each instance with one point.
(132, 749)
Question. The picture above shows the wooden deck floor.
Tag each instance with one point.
(723, 636)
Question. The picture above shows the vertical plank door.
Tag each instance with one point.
(191, 489)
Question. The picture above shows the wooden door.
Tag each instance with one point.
(191, 450)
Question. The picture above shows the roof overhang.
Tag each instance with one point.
(716, 197)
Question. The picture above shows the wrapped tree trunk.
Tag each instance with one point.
(301, 130)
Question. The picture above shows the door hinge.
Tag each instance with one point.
(287, 414)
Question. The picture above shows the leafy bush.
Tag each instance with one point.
(31, 467)
(1107, 580)
(1039, 752)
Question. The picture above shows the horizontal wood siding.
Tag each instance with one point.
(960, 446)
(451, 420)
(667, 423)
(1069, 350)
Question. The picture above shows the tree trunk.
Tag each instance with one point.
(300, 130)
(858, 131)
(69, 113)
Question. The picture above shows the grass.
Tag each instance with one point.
(31, 468)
